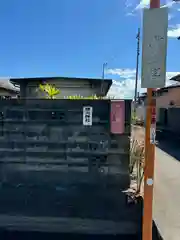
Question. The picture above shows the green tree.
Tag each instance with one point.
(50, 90)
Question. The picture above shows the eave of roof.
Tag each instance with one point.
(176, 78)
(106, 82)
(9, 90)
(162, 89)
(7, 85)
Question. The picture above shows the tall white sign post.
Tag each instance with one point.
(155, 25)
(154, 49)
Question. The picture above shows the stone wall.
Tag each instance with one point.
(53, 166)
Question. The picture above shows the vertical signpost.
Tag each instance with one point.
(155, 23)
(153, 124)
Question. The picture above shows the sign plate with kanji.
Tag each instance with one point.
(87, 116)
(154, 50)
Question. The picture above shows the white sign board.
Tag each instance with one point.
(154, 49)
(87, 116)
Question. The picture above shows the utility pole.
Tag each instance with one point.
(103, 70)
(149, 157)
(137, 68)
(103, 76)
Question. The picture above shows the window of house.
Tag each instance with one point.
(160, 93)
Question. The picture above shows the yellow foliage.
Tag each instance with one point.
(50, 90)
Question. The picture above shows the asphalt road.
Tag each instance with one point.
(167, 189)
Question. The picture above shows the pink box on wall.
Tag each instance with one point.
(117, 116)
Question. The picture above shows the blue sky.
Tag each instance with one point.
(74, 38)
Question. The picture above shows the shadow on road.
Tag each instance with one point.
(156, 233)
(168, 144)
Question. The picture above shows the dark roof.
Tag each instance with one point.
(176, 78)
(142, 96)
(106, 82)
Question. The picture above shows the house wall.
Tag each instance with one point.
(163, 101)
(67, 88)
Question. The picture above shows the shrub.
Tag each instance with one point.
(50, 90)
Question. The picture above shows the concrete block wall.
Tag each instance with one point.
(47, 154)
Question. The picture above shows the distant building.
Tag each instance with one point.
(165, 97)
(7, 89)
(29, 87)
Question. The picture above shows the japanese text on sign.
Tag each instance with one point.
(155, 24)
(153, 135)
(87, 116)
(153, 117)
(155, 72)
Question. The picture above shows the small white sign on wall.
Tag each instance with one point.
(87, 115)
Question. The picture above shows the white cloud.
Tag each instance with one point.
(123, 72)
(143, 4)
(128, 3)
(170, 16)
(124, 88)
(174, 31)
(146, 3)
(169, 4)
(138, 7)
(130, 14)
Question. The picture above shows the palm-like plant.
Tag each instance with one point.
(50, 90)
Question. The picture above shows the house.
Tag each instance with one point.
(85, 87)
(165, 98)
(140, 106)
(7, 89)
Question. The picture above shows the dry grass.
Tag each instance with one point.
(137, 159)
(138, 133)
